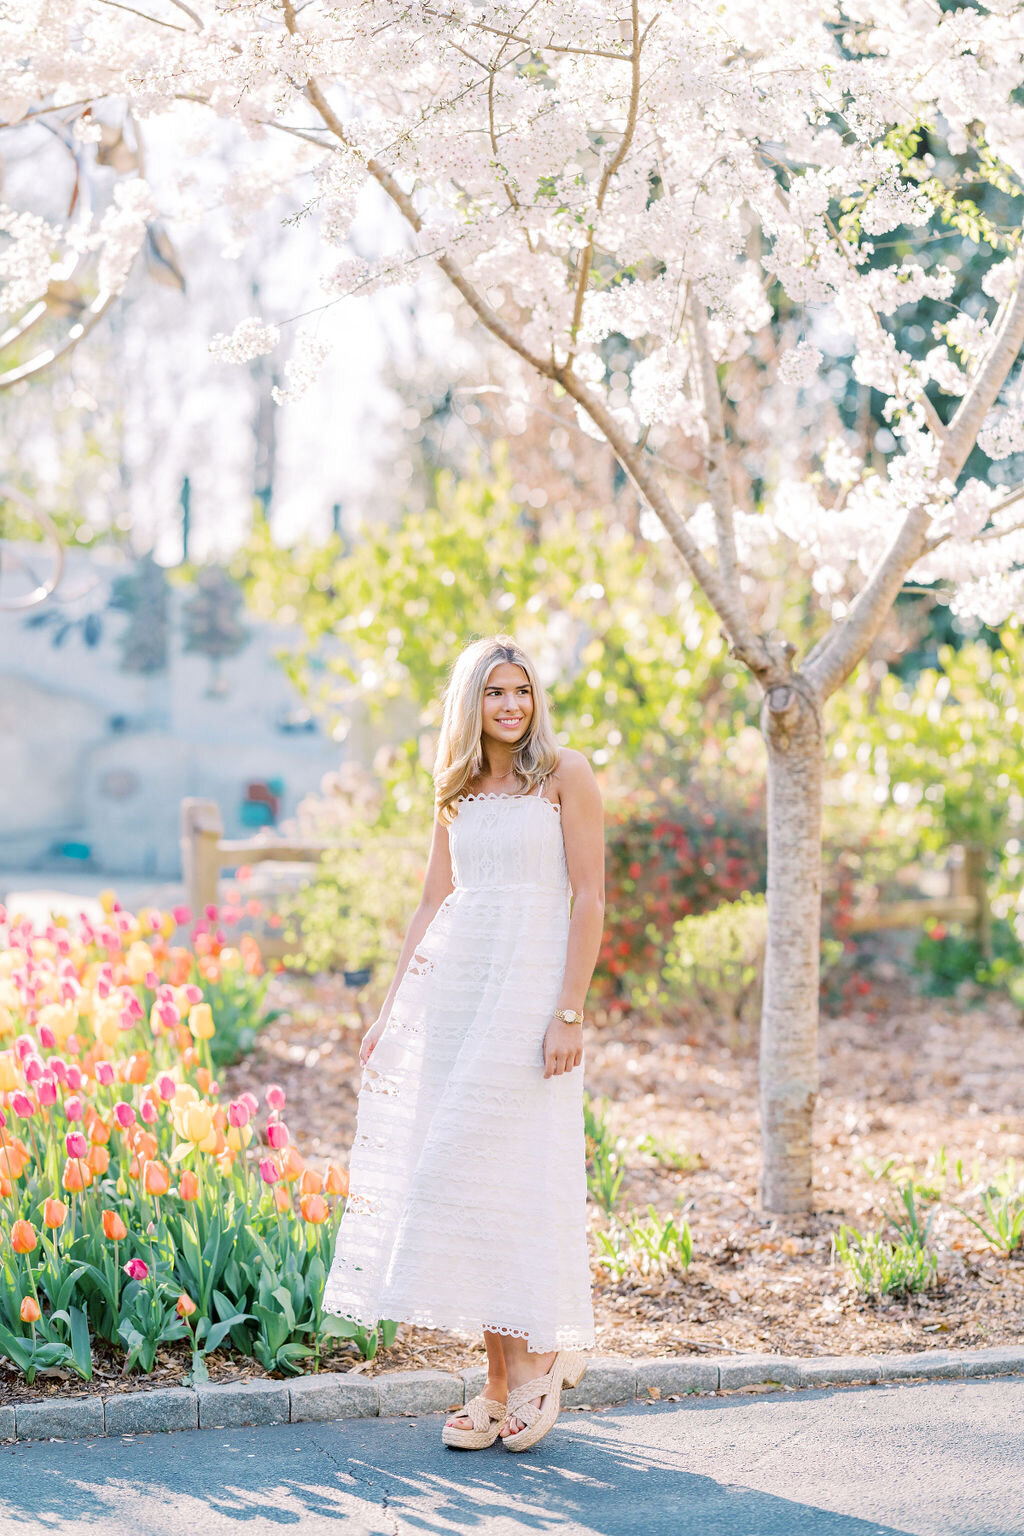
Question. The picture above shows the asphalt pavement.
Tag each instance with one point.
(943, 1458)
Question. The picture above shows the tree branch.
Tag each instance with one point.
(718, 481)
(586, 260)
(983, 390)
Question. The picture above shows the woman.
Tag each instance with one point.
(468, 1183)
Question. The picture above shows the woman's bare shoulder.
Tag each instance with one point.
(572, 771)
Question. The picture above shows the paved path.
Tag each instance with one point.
(940, 1459)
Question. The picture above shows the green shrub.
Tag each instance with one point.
(715, 960)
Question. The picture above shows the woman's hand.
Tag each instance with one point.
(563, 1047)
(369, 1040)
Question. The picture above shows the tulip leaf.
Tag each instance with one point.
(217, 1332)
(81, 1345)
(338, 1328)
(19, 1350)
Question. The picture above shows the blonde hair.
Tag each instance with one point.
(460, 756)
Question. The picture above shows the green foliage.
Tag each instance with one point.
(144, 595)
(635, 657)
(239, 1002)
(604, 1166)
(1002, 1203)
(945, 957)
(652, 1246)
(878, 1268)
(669, 1157)
(715, 959)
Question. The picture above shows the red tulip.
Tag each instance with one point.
(136, 1269)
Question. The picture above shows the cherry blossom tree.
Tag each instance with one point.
(659, 185)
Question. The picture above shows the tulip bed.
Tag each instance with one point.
(135, 1208)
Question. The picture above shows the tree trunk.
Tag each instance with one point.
(791, 722)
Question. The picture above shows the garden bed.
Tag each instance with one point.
(901, 1077)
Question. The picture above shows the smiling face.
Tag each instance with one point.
(507, 705)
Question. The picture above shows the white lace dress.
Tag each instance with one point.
(467, 1173)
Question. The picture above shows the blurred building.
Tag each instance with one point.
(121, 694)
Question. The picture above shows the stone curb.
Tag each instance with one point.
(336, 1395)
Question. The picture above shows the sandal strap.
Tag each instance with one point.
(480, 1410)
(540, 1386)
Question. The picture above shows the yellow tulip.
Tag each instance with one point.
(62, 1018)
(167, 924)
(107, 1022)
(230, 959)
(106, 900)
(197, 1122)
(184, 1093)
(139, 961)
(9, 1079)
(10, 959)
(9, 995)
(200, 1021)
(6, 1021)
(238, 1136)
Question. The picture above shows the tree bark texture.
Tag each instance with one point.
(792, 726)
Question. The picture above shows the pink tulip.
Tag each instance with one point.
(3, 1119)
(74, 1072)
(132, 1005)
(269, 1171)
(210, 913)
(33, 1067)
(46, 1091)
(238, 1113)
(22, 1105)
(73, 1045)
(155, 919)
(136, 1269)
(127, 1019)
(104, 1073)
(193, 994)
(148, 1111)
(166, 1087)
(124, 1115)
(181, 915)
(104, 986)
(73, 1108)
(76, 1144)
(275, 1096)
(25, 1046)
(277, 1135)
(250, 1101)
(58, 1067)
(3, 915)
(47, 1038)
(168, 1015)
(152, 979)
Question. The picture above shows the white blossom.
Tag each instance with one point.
(799, 364)
(250, 338)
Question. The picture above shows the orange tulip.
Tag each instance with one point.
(336, 1180)
(311, 1183)
(182, 1037)
(113, 1227)
(99, 1132)
(184, 1306)
(23, 1237)
(54, 1212)
(145, 1144)
(293, 1164)
(6, 1187)
(282, 1197)
(314, 1208)
(14, 1160)
(203, 1079)
(29, 1310)
(77, 1175)
(156, 1179)
(135, 1168)
(98, 1161)
(138, 1067)
(188, 1185)
(226, 1161)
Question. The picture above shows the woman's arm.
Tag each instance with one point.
(583, 833)
(437, 884)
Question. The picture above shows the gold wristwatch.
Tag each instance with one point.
(569, 1015)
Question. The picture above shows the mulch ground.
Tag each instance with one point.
(901, 1077)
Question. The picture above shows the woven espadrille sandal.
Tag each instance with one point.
(486, 1416)
(567, 1370)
